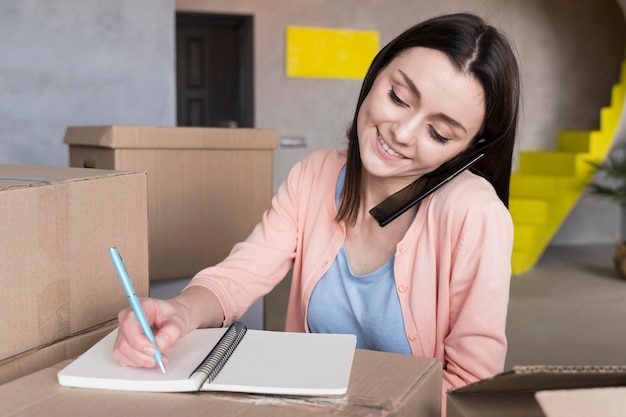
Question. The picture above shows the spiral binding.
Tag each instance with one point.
(221, 352)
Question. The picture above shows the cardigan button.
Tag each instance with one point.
(413, 337)
(403, 288)
(401, 248)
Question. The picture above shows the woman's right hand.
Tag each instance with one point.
(170, 320)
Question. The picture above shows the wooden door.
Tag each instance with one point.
(214, 66)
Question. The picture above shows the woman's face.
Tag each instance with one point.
(419, 113)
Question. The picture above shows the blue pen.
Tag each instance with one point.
(134, 303)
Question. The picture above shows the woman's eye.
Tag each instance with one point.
(435, 135)
(394, 97)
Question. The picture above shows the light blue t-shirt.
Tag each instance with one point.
(365, 305)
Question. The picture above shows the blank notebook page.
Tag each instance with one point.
(289, 363)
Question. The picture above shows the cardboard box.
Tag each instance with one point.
(44, 356)
(381, 384)
(207, 187)
(57, 279)
(513, 393)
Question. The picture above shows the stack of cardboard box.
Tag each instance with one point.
(204, 190)
(197, 192)
(59, 289)
(381, 384)
(207, 187)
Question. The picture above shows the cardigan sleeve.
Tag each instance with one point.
(259, 263)
(475, 346)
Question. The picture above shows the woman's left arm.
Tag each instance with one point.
(475, 347)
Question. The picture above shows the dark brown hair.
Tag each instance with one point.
(475, 48)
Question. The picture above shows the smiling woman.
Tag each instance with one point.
(411, 122)
(434, 282)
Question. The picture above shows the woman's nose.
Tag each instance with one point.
(405, 129)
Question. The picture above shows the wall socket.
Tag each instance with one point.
(292, 142)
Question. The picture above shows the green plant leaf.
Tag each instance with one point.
(612, 179)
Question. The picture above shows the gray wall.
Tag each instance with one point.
(85, 62)
(570, 54)
(81, 62)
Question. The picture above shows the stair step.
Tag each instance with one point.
(548, 163)
(531, 211)
(522, 261)
(609, 118)
(548, 184)
(618, 93)
(595, 143)
(524, 237)
(554, 163)
(541, 186)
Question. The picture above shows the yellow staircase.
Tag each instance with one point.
(547, 184)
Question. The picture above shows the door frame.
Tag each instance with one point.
(246, 57)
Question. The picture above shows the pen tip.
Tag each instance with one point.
(162, 367)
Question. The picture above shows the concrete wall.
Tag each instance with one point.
(73, 62)
(76, 62)
(570, 54)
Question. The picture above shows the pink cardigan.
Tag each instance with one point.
(452, 267)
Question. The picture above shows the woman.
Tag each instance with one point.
(434, 282)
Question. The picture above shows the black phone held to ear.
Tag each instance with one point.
(399, 202)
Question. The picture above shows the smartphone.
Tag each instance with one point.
(399, 202)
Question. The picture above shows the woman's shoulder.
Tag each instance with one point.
(468, 200)
(320, 163)
(324, 157)
(468, 191)
(320, 168)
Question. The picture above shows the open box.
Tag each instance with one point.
(516, 392)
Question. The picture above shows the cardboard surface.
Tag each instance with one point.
(605, 402)
(512, 393)
(207, 187)
(57, 279)
(44, 356)
(381, 384)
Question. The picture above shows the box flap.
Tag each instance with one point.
(139, 137)
(605, 402)
(540, 377)
(503, 404)
(389, 383)
(19, 176)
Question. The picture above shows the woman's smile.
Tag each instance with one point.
(387, 150)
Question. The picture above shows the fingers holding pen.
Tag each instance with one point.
(132, 347)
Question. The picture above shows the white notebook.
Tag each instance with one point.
(241, 360)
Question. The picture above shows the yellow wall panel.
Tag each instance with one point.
(329, 53)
